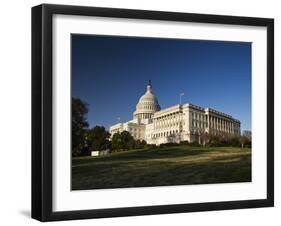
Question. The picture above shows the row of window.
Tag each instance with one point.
(145, 116)
(204, 117)
(169, 116)
(115, 131)
(198, 124)
(215, 131)
(168, 120)
(223, 127)
(165, 125)
(136, 135)
(147, 107)
(134, 130)
(165, 134)
(198, 116)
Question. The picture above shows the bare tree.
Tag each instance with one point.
(243, 140)
(204, 137)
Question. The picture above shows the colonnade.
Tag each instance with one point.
(223, 124)
(144, 115)
(168, 124)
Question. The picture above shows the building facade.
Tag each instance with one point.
(182, 122)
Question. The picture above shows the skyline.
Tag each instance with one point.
(110, 73)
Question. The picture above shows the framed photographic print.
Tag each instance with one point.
(146, 112)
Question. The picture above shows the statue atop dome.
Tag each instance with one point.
(149, 86)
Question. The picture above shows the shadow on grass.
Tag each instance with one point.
(144, 154)
(162, 168)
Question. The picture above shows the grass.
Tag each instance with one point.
(179, 165)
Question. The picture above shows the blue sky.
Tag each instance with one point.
(110, 73)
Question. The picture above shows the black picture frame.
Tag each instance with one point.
(42, 111)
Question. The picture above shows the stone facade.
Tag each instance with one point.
(182, 122)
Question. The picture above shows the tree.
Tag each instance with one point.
(97, 138)
(204, 138)
(116, 143)
(247, 134)
(234, 141)
(123, 141)
(215, 141)
(79, 126)
(140, 144)
(243, 140)
(127, 140)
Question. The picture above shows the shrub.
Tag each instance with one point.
(195, 144)
(168, 145)
(184, 142)
(150, 146)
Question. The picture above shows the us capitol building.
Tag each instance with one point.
(182, 122)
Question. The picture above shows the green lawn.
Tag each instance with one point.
(179, 165)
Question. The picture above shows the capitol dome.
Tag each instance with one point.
(147, 105)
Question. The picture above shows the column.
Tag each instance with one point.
(227, 126)
(217, 123)
(208, 123)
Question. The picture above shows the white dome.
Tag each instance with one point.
(147, 105)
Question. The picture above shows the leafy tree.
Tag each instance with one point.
(123, 141)
(79, 126)
(215, 141)
(97, 139)
(116, 142)
(185, 142)
(235, 141)
(140, 144)
(127, 140)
